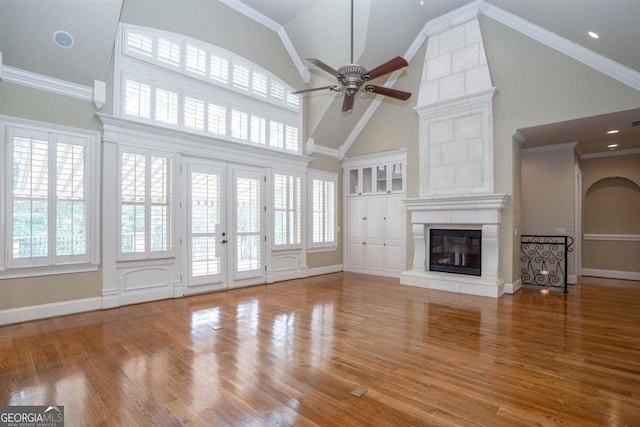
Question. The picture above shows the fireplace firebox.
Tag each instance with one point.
(455, 251)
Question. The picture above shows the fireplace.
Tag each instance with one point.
(455, 251)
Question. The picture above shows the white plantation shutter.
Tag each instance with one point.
(276, 134)
(205, 216)
(71, 202)
(287, 192)
(137, 99)
(133, 168)
(193, 113)
(217, 119)
(259, 83)
(258, 130)
(277, 90)
(291, 138)
(196, 60)
(139, 43)
(248, 224)
(241, 77)
(293, 100)
(219, 69)
(47, 219)
(166, 106)
(145, 204)
(323, 211)
(160, 204)
(169, 52)
(239, 124)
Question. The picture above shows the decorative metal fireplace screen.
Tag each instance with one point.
(455, 251)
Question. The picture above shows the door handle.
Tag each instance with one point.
(224, 241)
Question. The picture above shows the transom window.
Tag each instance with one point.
(236, 99)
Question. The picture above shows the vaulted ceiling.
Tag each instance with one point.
(317, 29)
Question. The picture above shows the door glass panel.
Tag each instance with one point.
(381, 179)
(247, 224)
(205, 220)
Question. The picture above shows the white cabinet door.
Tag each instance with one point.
(356, 254)
(374, 258)
(356, 212)
(394, 219)
(374, 222)
(394, 257)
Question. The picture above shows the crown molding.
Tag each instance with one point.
(573, 50)
(612, 153)
(251, 13)
(46, 83)
(327, 151)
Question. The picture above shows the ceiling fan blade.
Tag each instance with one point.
(347, 104)
(386, 68)
(393, 93)
(324, 67)
(332, 87)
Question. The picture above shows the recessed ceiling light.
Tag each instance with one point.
(612, 146)
(593, 35)
(63, 39)
(612, 131)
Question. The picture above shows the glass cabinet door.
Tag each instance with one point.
(381, 179)
(367, 180)
(397, 174)
(354, 182)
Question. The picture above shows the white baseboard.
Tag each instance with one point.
(317, 271)
(43, 311)
(512, 288)
(611, 274)
(572, 279)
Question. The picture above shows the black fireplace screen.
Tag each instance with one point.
(455, 251)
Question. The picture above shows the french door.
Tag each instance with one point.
(224, 226)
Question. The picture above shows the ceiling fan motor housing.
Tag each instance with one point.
(351, 77)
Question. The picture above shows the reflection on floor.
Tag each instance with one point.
(291, 353)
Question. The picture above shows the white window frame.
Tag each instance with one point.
(52, 263)
(299, 222)
(147, 253)
(325, 177)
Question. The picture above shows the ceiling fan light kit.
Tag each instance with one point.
(352, 77)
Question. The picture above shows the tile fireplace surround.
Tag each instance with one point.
(456, 160)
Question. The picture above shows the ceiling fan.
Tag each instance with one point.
(354, 78)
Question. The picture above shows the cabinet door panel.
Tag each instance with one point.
(374, 224)
(356, 212)
(356, 254)
(374, 256)
(394, 219)
(394, 257)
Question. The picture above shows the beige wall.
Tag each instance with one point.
(548, 193)
(23, 102)
(611, 205)
(535, 85)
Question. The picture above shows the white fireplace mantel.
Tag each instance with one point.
(472, 209)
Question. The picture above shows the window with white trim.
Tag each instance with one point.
(287, 205)
(158, 74)
(49, 196)
(145, 186)
(322, 205)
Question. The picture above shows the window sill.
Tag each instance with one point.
(322, 249)
(49, 270)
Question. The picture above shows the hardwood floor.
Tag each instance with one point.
(290, 353)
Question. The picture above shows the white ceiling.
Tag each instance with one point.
(321, 29)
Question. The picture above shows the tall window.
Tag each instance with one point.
(322, 187)
(49, 198)
(145, 204)
(287, 193)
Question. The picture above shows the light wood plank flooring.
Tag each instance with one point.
(290, 353)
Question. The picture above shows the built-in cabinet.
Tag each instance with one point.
(375, 217)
